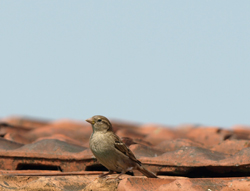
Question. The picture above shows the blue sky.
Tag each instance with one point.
(168, 62)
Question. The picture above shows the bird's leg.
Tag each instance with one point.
(117, 178)
(104, 175)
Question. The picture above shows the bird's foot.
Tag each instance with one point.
(106, 174)
(116, 178)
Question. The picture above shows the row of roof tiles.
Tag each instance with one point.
(36, 147)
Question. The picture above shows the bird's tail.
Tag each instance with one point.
(146, 172)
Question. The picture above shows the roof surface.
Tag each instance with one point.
(55, 155)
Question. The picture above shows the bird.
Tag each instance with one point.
(110, 151)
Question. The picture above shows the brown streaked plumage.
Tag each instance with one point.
(110, 151)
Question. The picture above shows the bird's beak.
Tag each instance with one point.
(90, 121)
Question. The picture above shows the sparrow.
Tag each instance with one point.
(110, 151)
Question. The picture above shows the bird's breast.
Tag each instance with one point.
(100, 143)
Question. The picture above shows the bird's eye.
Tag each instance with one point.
(99, 120)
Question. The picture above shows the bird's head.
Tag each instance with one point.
(100, 123)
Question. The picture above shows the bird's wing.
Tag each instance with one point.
(119, 145)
